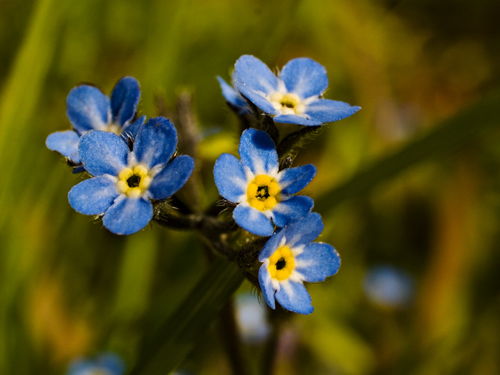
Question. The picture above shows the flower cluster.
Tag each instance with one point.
(265, 194)
(131, 162)
(134, 168)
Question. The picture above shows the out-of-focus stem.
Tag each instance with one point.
(231, 339)
(271, 350)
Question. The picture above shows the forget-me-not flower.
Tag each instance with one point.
(89, 109)
(106, 364)
(251, 318)
(289, 258)
(264, 195)
(388, 286)
(125, 181)
(295, 96)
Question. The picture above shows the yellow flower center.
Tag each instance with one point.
(288, 104)
(133, 182)
(113, 128)
(262, 192)
(281, 263)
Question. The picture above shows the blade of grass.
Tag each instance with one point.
(173, 341)
(136, 274)
(18, 102)
(452, 133)
(23, 88)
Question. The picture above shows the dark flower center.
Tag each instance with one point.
(262, 193)
(280, 264)
(288, 102)
(134, 181)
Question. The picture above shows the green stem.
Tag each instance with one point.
(231, 339)
(173, 341)
(277, 317)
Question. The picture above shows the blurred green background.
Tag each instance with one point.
(411, 181)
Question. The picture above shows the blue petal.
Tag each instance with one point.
(253, 220)
(254, 80)
(156, 142)
(230, 178)
(66, 143)
(297, 120)
(103, 153)
(233, 97)
(294, 297)
(291, 210)
(317, 262)
(132, 129)
(124, 100)
(292, 180)
(325, 110)
(267, 286)
(172, 177)
(271, 245)
(112, 363)
(128, 215)
(257, 152)
(304, 231)
(87, 108)
(93, 196)
(304, 77)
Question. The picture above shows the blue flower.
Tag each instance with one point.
(251, 318)
(125, 181)
(233, 97)
(106, 364)
(89, 109)
(289, 258)
(295, 96)
(388, 286)
(263, 193)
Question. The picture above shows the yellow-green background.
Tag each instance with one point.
(69, 288)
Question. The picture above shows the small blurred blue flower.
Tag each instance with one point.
(251, 318)
(388, 286)
(295, 96)
(105, 364)
(289, 258)
(183, 372)
(89, 109)
(125, 181)
(263, 194)
(233, 97)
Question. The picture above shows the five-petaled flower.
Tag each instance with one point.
(289, 258)
(295, 96)
(89, 109)
(263, 193)
(125, 181)
(105, 364)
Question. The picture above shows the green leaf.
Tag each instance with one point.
(452, 133)
(173, 341)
